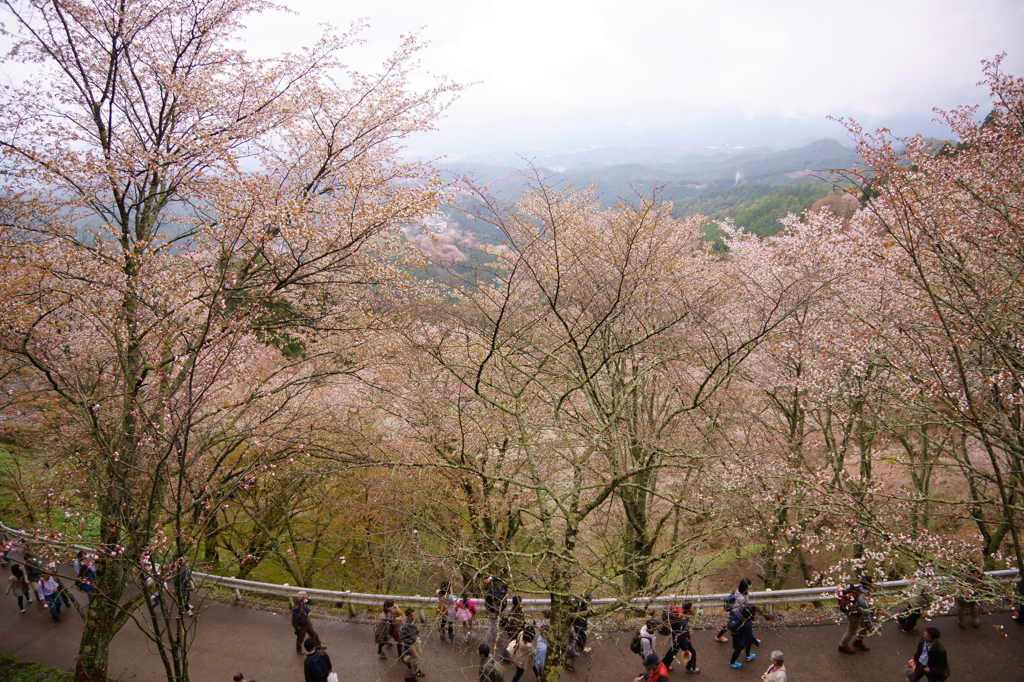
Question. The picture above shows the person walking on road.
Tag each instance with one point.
(20, 586)
(32, 573)
(87, 577)
(678, 618)
(317, 666)
(930, 658)
(776, 673)
(578, 631)
(739, 600)
(654, 670)
(465, 609)
(967, 605)
(446, 611)
(920, 599)
(1018, 608)
(388, 627)
(649, 638)
(855, 601)
(541, 656)
(301, 624)
(53, 592)
(409, 636)
(741, 625)
(490, 666)
(522, 651)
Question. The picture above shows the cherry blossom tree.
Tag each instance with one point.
(944, 223)
(191, 238)
(593, 340)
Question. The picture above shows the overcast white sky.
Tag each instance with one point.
(549, 62)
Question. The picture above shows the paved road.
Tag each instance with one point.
(260, 644)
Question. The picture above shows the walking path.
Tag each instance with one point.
(260, 644)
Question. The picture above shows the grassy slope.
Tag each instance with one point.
(14, 670)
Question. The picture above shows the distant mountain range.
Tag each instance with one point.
(680, 173)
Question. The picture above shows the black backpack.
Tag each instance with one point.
(318, 664)
(729, 602)
(635, 645)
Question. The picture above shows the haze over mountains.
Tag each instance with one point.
(681, 173)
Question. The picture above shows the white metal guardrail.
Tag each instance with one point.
(766, 597)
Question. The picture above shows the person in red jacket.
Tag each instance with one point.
(655, 670)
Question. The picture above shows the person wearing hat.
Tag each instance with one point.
(654, 670)
(776, 673)
(300, 622)
(678, 618)
(858, 618)
(930, 658)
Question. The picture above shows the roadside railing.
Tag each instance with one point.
(345, 597)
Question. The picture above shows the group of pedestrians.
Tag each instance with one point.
(50, 592)
(524, 645)
(675, 622)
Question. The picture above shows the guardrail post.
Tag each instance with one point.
(769, 607)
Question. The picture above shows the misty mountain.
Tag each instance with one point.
(687, 176)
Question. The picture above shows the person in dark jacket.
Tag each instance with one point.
(490, 666)
(679, 624)
(930, 658)
(741, 625)
(740, 600)
(317, 665)
(300, 622)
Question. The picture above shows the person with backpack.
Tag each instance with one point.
(734, 603)
(930, 658)
(301, 624)
(409, 637)
(678, 619)
(741, 626)
(855, 602)
(644, 641)
(465, 610)
(317, 666)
